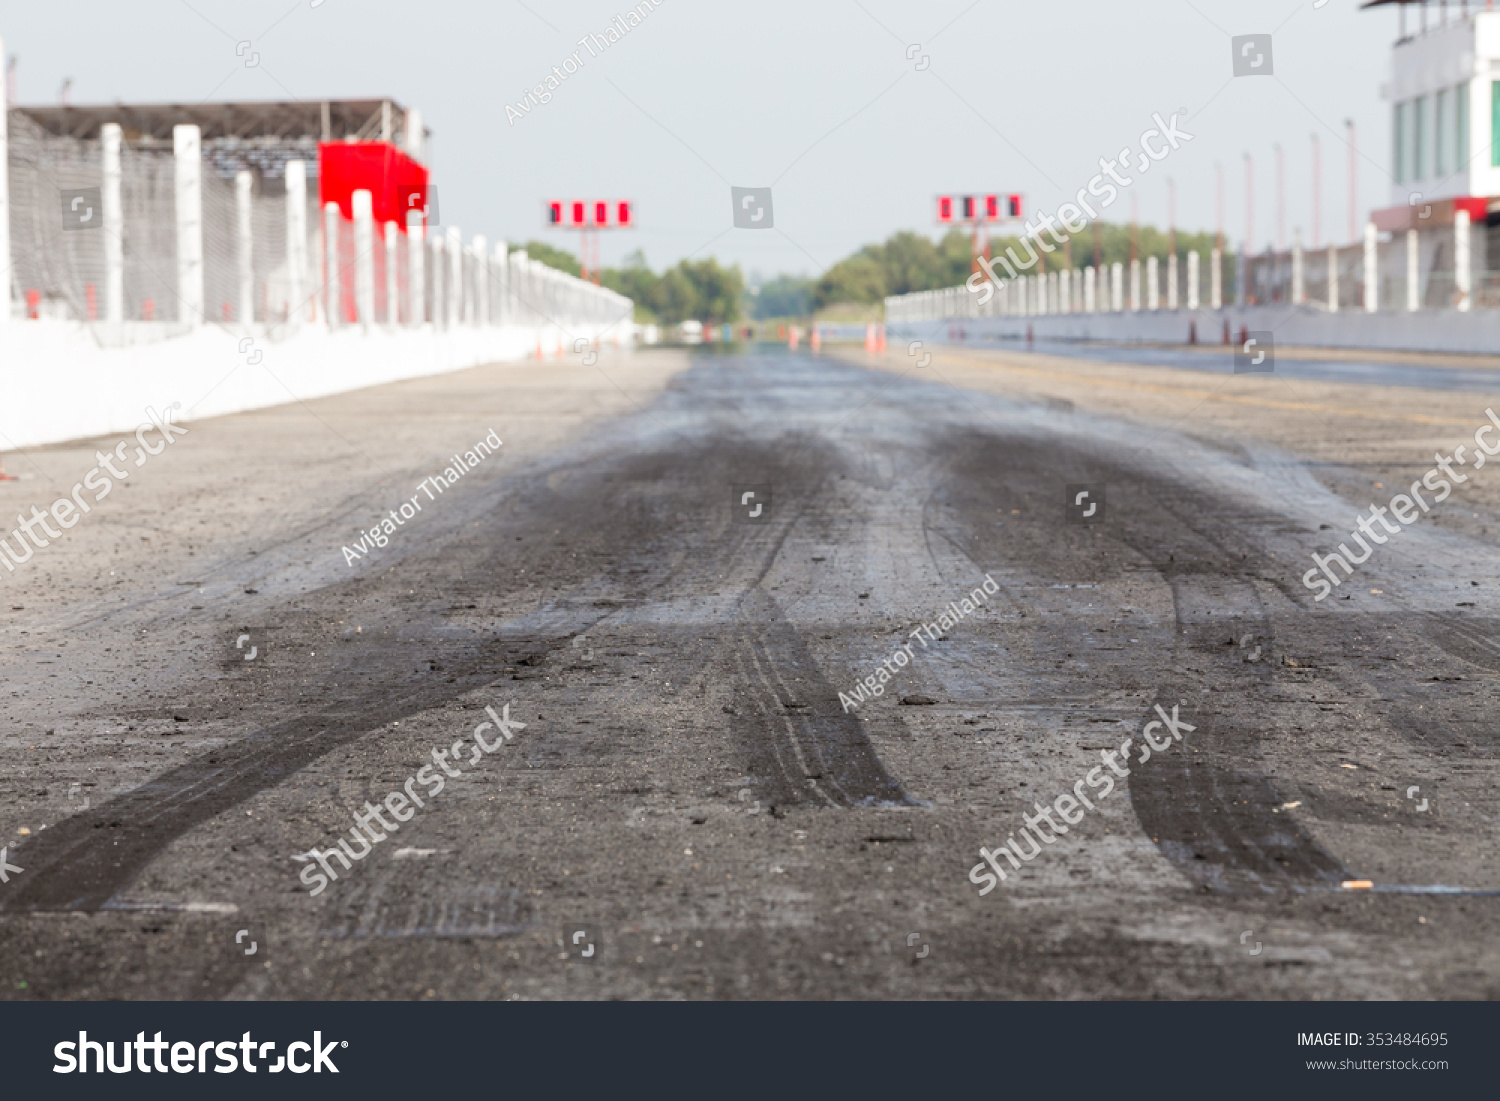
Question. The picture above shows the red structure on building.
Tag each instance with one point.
(396, 183)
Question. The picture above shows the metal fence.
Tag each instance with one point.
(1407, 274)
(257, 267)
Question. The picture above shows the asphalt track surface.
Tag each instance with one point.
(689, 793)
(1287, 364)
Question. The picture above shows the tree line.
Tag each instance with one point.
(904, 262)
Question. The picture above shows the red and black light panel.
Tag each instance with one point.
(601, 214)
(1015, 206)
(578, 218)
(624, 212)
(945, 208)
(554, 213)
(991, 207)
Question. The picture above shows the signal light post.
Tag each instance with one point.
(979, 212)
(589, 216)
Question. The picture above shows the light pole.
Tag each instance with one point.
(1317, 195)
(1249, 204)
(1353, 178)
(1280, 198)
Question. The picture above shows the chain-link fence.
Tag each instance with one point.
(368, 273)
(58, 231)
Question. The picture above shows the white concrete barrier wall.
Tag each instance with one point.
(1453, 331)
(60, 384)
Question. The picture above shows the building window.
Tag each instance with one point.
(1495, 122)
(1398, 130)
(1440, 134)
(1461, 130)
(1419, 138)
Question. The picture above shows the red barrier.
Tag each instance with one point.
(396, 183)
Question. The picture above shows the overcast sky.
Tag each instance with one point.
(816, 99)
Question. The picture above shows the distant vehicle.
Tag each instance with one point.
(690, 332)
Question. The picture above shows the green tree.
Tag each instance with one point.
(784, 296)
(906, 262)
(552, 257)
(1113, 246)
(634, 279)
(673, 298)
(718, 290)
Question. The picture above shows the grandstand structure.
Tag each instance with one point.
(147, 220)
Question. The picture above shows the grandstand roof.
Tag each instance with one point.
(147, 124)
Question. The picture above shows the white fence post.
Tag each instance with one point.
(1090, 291)
(1463, 284)
(332, 280)
(1135, 284)
(502, 315)
(1192, 280)
(114, 226)
(1372, 269)
(1299, 283)
(481, 283)
(1117, 287)
(187, 152)
(1413, 272)
(439, 299)
(296, 239)
(520, 291)
(244, 239)
(416, 269)
(362, 206)
(1172, 281)
(392, 274)
(5, 274)
(1333, 279)
(1216, 279)
(455, 280)
(1153, 284)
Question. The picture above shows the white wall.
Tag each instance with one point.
(57, 383)
(1476, 333)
